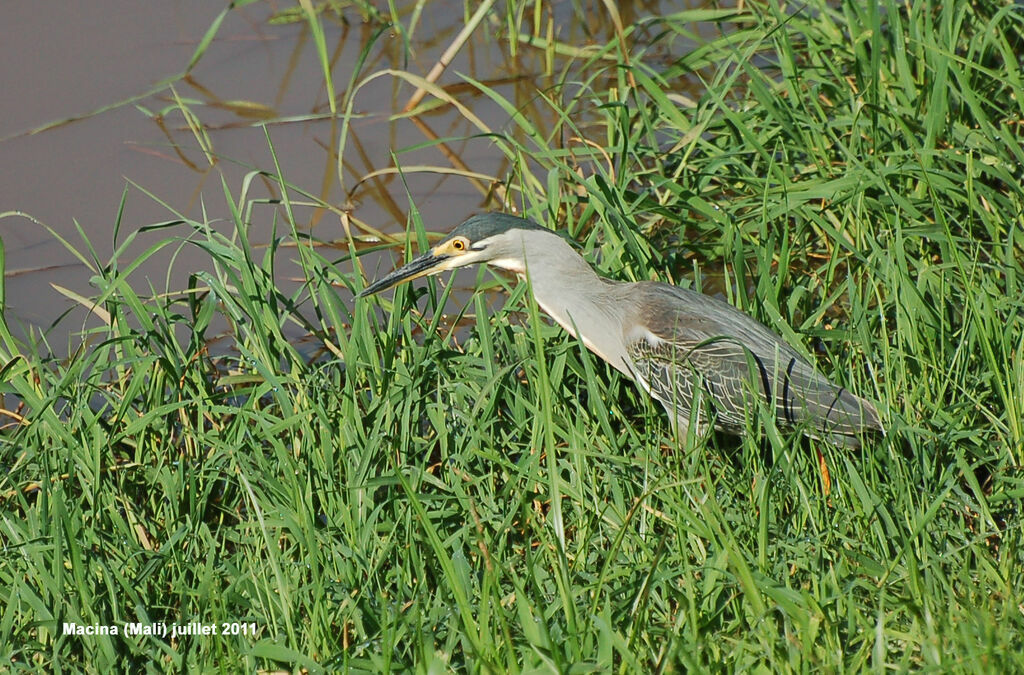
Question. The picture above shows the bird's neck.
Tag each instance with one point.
(579, 300)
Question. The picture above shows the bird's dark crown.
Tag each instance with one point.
(486, 225)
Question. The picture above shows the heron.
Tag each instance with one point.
(705, 361)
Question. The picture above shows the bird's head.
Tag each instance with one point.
(494, 238)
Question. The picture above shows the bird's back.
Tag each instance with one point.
(681, 339)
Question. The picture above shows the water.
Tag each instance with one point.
(73, 59)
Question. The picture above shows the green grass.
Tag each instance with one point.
(496, 499)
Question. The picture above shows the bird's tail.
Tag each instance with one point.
(848, 417)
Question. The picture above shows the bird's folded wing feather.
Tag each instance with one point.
(735, 361)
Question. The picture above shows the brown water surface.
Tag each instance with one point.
(71, 60)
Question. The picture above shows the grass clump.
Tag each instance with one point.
(418, 498)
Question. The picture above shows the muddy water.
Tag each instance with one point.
(101, 64)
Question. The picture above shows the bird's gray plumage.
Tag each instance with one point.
(680, 346)
(699, 346)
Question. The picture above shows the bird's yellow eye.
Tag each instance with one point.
(459, 244)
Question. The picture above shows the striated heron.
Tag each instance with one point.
(704, 360)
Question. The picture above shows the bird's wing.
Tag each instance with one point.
(684, 340)
(719, 369)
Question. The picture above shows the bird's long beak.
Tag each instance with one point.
(428, 263)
